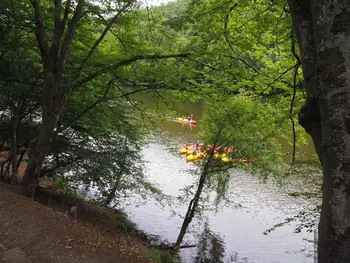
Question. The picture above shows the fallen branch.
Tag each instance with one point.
(170, 247)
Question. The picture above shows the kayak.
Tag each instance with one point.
(186, 121)
(183, 150)
(200, 153)
(192, 158)
(189, 149)
(227, 160)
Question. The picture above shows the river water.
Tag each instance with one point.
(257, 207)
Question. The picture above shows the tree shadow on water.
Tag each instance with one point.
(211, 249)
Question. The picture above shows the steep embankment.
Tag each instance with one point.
(46, 235)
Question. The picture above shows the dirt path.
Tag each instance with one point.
(14, 255)
(31, 232)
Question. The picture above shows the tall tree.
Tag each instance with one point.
(323, 32)
(59, 81)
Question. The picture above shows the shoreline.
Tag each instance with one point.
(113, 232)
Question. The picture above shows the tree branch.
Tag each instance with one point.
(228, 15)
(291, 113)
(110, 30)
(293, 98)
(57, 31)
(93, 105)
(125, 62)
(65, 16)
(277, 79)
(40, 32)
(214, 68)
(216, 8)
(69, 35)
(248, 65)
(98, 41)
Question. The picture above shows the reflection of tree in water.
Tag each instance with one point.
(211, 249)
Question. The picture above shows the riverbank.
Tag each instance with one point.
(49, 235)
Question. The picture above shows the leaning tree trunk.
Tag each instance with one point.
(323, 31)
(193, 205)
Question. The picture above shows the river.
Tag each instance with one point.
(259, 206)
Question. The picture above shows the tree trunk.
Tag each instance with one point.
(52, 104)
(15, 116)
(323, 28)
(39, 153)
(192, 207)
(21, 158)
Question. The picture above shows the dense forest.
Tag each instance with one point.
(266, 69)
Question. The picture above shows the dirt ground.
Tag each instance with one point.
(36, 233)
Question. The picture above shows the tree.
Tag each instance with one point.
(59, 81)
(322, 29)
(234, 122)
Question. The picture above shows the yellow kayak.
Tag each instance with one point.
(183, 151)
(225, 159)
(220, 155)
(189, 152)
(192, 158)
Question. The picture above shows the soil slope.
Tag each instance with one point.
(46, 235)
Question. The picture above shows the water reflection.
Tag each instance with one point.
(211, 248)
(262, 206)
(242, 229)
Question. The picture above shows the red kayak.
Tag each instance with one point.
(187, 121)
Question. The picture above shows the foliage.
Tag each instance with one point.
(250, 127)
(237, 57)
(162, 256)
(98, 139)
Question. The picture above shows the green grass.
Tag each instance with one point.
(162, 256)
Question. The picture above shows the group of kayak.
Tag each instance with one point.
(198, 151)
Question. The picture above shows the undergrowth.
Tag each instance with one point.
(162, 256)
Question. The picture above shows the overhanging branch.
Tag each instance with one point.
(125, 62)
(277, 79)
(98, 41)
